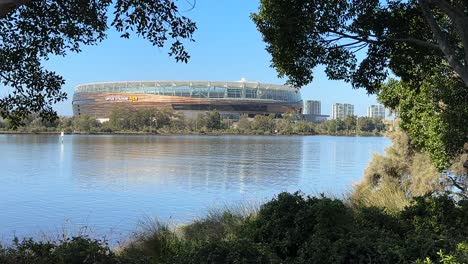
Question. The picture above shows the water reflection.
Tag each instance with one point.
(216, 163)
(112, 182)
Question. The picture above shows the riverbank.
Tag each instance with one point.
(291, 228)
(211, 133)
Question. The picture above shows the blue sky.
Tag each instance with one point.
(228, 47)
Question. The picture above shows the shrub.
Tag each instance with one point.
(304, 229)
(288, 221)
(82, 250)
(235, 251)
(216, 226)
(158, 242)
(292, 228)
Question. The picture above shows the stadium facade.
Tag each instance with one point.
(231, 99)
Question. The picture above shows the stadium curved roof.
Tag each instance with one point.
(238, 84)
(199, 89)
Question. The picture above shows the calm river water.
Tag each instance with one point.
(110, 183)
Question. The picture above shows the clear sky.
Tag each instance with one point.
(228, 47)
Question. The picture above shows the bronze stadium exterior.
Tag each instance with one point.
(231, 99)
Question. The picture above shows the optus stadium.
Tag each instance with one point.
(231, 99)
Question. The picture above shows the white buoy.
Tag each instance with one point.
(61, 136)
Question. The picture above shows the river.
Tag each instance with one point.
(106, 184)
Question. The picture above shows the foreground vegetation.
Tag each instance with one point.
(292, 228)
(128, 120)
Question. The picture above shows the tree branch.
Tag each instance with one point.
(346, 45)
(407, 40)
(366, 40)
(7, 6)
(459, 186)
(443, 42)
(460, 20)
(418, 42)
(450, 10)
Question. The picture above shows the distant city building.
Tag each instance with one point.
(312, 107)
(376, 111)
(341, 111)
(312, 111)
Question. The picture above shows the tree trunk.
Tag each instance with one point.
(448, 51)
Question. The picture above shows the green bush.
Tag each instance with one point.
(459, 256)
(75, 250)
(300, 229)
(230, 251)
(157, 242)
(292, 228)
(216, 226)
(304, 229)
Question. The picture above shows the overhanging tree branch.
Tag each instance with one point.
(354, 37)
(7, 6)
(30, 31)
(460, 186)
(415, 41)
(418, 42)
(460, 20)
(443, 42)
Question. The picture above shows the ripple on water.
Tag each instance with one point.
(109, 183)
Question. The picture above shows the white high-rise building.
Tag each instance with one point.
(376, 111)
(312, 107)
(341, 111)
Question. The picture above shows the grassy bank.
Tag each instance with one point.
(292, 228)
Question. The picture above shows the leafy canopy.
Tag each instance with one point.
(31, 31)
(406, 37)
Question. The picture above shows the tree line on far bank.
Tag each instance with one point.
(131, 120)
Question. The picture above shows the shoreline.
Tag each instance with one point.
(130, 133)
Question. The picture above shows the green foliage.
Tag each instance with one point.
(351, 125)
(85, 124)
(244, 124)
(335, 125)
(285, 125)
(200, 121)
(291, 228)
(303, 229)
(166, 121)
(129, 119)
(230, 251)
(288, 222)
(263, 123)
(213, 120)
(157, 242)
(434, 115)
(350, 122)
(370, 124)
(459, 256)
(79, 250)
(303, 127)
(440, 218)
(391, 180)
(432, 95)
(34, 30)
(178, 122)
(216, 226)
(392, 34)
